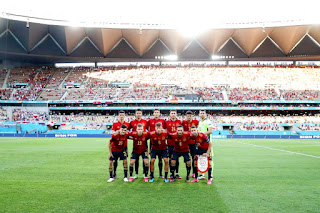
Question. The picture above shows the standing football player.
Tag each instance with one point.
(133, 127)
(152, 127)
(116, 127)
(204, 126)
(187, 124)
(172, 125)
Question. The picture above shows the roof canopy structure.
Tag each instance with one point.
(19, 39)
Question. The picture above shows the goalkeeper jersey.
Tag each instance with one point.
(204, 125)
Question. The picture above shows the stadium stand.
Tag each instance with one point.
(252, 94)
(154, 83)
(300, 94)
(5, 94)
(3, 74)
(3, 115)
(232, 86)
(29, 116)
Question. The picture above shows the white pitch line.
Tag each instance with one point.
(266, 147)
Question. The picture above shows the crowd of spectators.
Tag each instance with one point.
(301, 94)
(5, 94)
(266, 119)
(29, 115)
(94, 120)
(243, 94)
(87, 126)
(309, 127)
(81, 118)
(206, 83)
(3, 115)
(3, 75)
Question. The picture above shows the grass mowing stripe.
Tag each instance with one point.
(266, 147)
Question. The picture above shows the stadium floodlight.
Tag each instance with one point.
(58, 65)
(167, 57)
(171, 57)
(215, 57)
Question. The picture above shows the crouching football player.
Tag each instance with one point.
(181, 149)
(117, 149)
(140, 148)
(203, 148)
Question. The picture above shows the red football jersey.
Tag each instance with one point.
(187, 125)
(201, 140)
(181, 144)
(172, 128)
(140, 142)
(158, 141)
(118, 142)
(152, 124)
(116, 126)
(134, 124)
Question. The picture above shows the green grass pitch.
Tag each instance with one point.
(70, 175)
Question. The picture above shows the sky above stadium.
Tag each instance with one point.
(201, 14)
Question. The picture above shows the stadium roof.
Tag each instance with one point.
(135, 32)
(165, 14)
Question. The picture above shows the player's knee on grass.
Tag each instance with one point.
(173, 163)
(188, 163)
(132, 162)
(153, 160)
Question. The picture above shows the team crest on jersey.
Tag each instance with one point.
(169, 124)
(200, 140)
(184, 139)
(143, 138)
(163, 138)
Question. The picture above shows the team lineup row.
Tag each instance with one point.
(169, 140)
